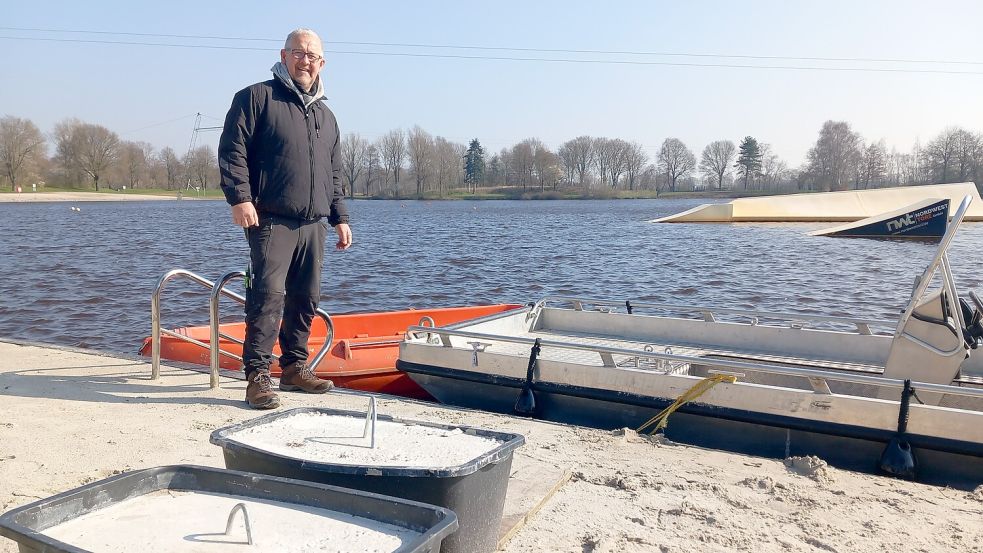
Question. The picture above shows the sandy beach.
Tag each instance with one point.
(27, 197)
(71, 417)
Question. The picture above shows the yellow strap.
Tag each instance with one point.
(662, 419)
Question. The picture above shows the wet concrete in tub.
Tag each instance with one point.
(338, 439)
(196, 524)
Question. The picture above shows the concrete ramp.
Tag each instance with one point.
(849, 205)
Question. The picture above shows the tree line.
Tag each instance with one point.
(415, 163)
(77, 154)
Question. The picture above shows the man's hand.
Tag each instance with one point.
(245, 215)
(344, 236)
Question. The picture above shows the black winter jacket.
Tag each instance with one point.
(283, 159)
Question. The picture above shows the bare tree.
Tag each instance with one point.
(523, 160)
(134, 162)
(172, 167)
(91, 149)
(21, 147)
(506, 164)
(392, 146)
(447, 164)
(635, 160)
(603, 158)
(834, 156)
(568, 161)
(65, 160)
(676, 160)
(459, 176)
(649, 178)
(494, 171)
(579, 152)
(353, 148)
(202, 166)
(940, 154)
(903, 169)
(372, 165)
(98, 150)
(420, 148)
(156, 171)
(499, 168)
(619, 160)
(546, 165)
(976, 166)
(715, 162)
(967, 146)
(773, 170)
(873, 164)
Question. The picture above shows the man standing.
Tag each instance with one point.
(281, 165)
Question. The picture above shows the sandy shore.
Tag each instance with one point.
(69, 418)
(84, 197)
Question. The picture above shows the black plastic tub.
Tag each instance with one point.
(474, 490)
(428, 524)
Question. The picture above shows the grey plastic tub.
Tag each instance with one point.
(26, 525)
(474, 490)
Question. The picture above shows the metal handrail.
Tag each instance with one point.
(215, 347)
(443, 333)
(862, 325)
(217, 289)
(155, 330)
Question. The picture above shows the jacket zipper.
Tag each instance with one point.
(310, 142)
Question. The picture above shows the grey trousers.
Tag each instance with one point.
(284, 284)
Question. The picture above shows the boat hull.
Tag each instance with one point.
(362, 355)
(941, 461)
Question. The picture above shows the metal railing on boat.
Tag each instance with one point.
(817, 377)
(218, 289)
(709, 314)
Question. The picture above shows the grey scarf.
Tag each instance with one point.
(306, 99)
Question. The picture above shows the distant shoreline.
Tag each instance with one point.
(92, 196)
(32, 197)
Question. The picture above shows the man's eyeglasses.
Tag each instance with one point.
(300, 54)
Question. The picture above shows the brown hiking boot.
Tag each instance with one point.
(259, 391)
(298, 376)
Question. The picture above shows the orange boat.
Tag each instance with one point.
(362, 355)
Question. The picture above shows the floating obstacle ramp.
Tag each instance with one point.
(846, 206)
(924, 220)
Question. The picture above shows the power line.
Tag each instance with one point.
(516, 49)
(528, 59)
(645, 53)
(80, 31)
(157, 124)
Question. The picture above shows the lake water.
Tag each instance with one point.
(85, 278)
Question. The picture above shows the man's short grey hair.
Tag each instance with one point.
(298, 33)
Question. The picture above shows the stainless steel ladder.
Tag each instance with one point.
(218, 289)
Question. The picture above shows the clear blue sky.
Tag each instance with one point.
(151, 93)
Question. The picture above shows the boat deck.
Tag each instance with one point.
(588, 357)
(593, 358)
